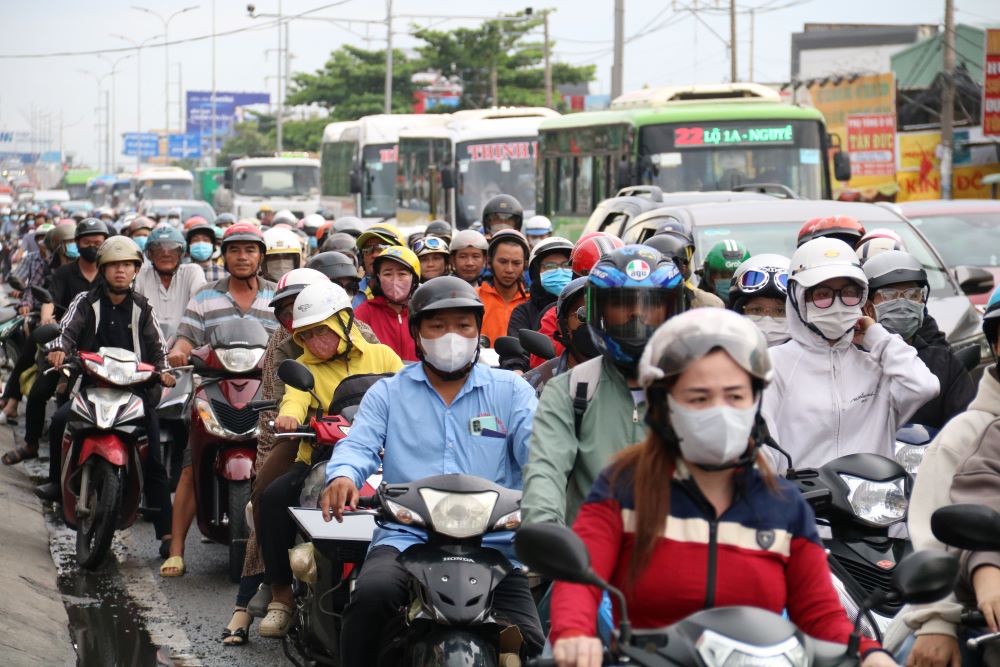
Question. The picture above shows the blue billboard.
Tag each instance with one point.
(184, 145)
(199, 110)
(143, 144)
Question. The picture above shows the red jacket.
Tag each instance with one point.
(391, 328)
(549, 326)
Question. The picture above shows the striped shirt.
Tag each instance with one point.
(213, 304)
(33, 270)
(213, 271)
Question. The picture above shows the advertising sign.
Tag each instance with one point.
(871, 142)
(199, 109)
(143, 144)
(991, 84)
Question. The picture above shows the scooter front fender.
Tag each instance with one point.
(451, 647)
(235, 464)
(108, 446)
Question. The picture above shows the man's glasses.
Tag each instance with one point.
(917, 294)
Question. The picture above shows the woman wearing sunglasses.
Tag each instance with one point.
(759, 289)
(843, 383)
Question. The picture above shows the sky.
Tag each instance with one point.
(665, 44)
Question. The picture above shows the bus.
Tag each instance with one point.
(359, 164)
(164, 183)
(694, 138)
(75, 182)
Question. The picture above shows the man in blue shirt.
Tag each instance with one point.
(423, 418)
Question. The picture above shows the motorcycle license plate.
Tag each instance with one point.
(356, 527)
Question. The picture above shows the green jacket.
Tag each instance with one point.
(561, 469)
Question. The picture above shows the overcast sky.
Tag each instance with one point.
(676, 48)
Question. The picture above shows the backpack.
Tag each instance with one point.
(583, 380)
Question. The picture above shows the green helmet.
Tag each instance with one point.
(724, 257)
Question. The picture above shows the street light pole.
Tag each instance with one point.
(388, 57)
(99, 80)
(138, 88)
(281, 99)
(114, 107)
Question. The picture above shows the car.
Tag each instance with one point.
(73, 205)
(188, 207)
(772, 226)
(966, 232)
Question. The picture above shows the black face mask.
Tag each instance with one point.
(582, 344)
(88, 254)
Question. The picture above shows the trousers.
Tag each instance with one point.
(277, 528)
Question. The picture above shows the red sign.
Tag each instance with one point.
(515, 150)
(991, 84)
(871, 142)
(388, 155)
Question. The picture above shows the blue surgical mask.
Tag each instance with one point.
(141, 242)
(555, 280)
(722, 290)
(201, 251)
(313, 243)
(72, 252)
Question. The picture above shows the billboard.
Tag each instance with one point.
(143, 144)
(991, 84)
(199, 109)
(871, 141)
(184, 145)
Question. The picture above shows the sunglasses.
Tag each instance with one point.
(754, 281)
(822, 297)
(431, 243)
(372, 249)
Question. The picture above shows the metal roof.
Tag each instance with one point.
(917, 65)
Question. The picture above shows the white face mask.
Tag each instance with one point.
(713, 436)
(450, 352)
(833, 322)
(775, 329)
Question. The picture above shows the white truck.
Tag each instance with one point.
(280, 182)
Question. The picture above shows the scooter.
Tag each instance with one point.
(722, 636)
(223, 436)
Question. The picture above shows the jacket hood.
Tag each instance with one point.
(801, 333)
(336, 323)
(539, 295)
(988, 396)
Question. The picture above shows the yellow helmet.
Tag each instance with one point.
(390, 234)
(400, 254)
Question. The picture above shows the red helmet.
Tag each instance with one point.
(243, 231)
(194, 220)
(806, 231)
(842, 227)
(589, 250)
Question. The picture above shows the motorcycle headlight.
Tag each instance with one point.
(720, 651)
(118, 372)
(240, 359)
(879, 503)
(207, 416)
(459, 515)
(909, 456)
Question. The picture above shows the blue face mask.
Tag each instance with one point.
(313, 243)
(141, 242)
(722, 290)
(72, 252)
(555, 280)
(201, 251)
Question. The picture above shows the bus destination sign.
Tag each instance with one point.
(709, 136)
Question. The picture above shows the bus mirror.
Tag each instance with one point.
(447, 178)
(355, 181)
(624, 174)
(227, 178)
(842, 166)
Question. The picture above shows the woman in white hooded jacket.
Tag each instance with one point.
(831, 397)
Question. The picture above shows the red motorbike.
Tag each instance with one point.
(223, 436)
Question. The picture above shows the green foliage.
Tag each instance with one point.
(302, 135)
(247, 140)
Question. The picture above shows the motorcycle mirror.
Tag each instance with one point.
(484, 341)
(556, 552)
(536, 343)
(16, 283)
(972, 527)
(45, 334)
(925, 576)
(507, 347)
(41, 294)
(296, 375)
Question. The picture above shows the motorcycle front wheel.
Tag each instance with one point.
(95, 532)
(239, 531)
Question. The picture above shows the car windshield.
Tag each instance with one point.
(277, 181)
(167, 189)
(964, 238)
(379, 197)
(490, 168)
(779, 237)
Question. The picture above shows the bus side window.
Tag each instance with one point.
(584, 184)
(564, 197)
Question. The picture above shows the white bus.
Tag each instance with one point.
(359, 163)
(450, 171)
(164, 183)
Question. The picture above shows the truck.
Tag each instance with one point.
(281, 182)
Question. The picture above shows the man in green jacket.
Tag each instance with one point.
(587, 415)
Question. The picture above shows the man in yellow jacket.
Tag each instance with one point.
(333, 349)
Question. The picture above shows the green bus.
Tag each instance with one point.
(75, 181)
(700, 138)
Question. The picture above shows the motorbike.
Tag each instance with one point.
(174, 410)
(722, 636)
(223, 435)
(912, 441)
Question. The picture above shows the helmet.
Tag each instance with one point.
(725, 257)
(891, 267)
(991, 318)
(590, 249)
(201, 228)
(318, 302)
(118, 249)
(468, 238)
(341, 242)
(280, 241)
(677, 226)
(294, 282)
(349, 225)
(506, 208)
(440, 229)
(43, 229)
(431, 245)
(323, 231)
(225, 219)
(140, 222)
(537, 225)
(672, 246)
(442, 293)
(841, 227)
(284, 216)
(59, 235)
(881, 233)
(824, 258)
(544, 248)
(509, 235)
(333, 265)
(627, 274)
(243, 231)
(762, 275)
(565, 300)
(165, 235)
(91, 227)
(175, 212)
(265, 208)
(312, 222)
(387, 233)
(875, 245)
(194, 220)
(401, 255)
(690, 336)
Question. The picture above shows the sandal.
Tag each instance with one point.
(278, 621)
(239, 635)
(18, 454)
(173, 563)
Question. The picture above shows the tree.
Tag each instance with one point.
(302, 135)
(247, 140)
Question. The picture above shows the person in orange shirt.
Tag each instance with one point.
(504, 291)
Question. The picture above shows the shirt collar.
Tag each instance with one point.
(478, 377)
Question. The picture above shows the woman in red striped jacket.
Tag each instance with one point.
(724, 531)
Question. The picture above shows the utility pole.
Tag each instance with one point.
(388, 56)
(948, 99)
(548, 62)
(732, 41)
(280, 105)
(494, 87)
(107, 128)
(180, 100)
(751, 43)
(213, 86)
(617, 69)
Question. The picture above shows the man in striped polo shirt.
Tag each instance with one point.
(242, 294)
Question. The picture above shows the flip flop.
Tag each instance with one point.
(277, 622)
(173, 563)
(240, 635)
(18, 454)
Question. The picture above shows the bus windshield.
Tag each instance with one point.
(168, 189)
(493, 167)
(276, 181)
(378, 200)
(700, 156)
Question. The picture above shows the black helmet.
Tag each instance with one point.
(201, 228)
(91, 227)
(333, 265)
(672, 246)
(440, 229)
(348, 224)
(340, 242)
(563, 303)
(507, 208)
(442, 293)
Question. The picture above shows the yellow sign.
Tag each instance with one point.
(918, 151)
(919, 173)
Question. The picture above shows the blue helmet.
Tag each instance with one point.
(991, 317)
(631, 291)
(165, 235)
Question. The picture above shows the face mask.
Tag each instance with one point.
(775, 329)
(833, 322)
(71, 251)
(722, 289)
(395, 290)
(583, 344)
(450, 352)
(279, 267)
(324, 346)
(900, 316)
(555, 280)
(88, 254)
(141, 242)
(313, 243)
(201, 251)
(713, 436)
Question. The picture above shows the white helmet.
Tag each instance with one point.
(312, 222)
(876, 245)
(822, 259)
(537, 225)
(468, 238)
(285, 216)
(281, 240)
(317, 303)
(293, 282)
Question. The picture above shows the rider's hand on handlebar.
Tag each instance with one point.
(934, 650)
(56, 358)
(47, 319)
(167, 380)
(24, 310)
(285, 424)
(986, 582)
(177, 357)
(578, 652)
(339, 494)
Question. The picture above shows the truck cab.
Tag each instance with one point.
(280, 182)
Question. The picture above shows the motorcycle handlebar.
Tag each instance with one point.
(372, 503)
(972, 618)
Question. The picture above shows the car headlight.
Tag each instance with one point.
(239, 359)
(118, 372)
(459, 515)
(207, 416)
(879, 503)
(909, 456)
(720, 651)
